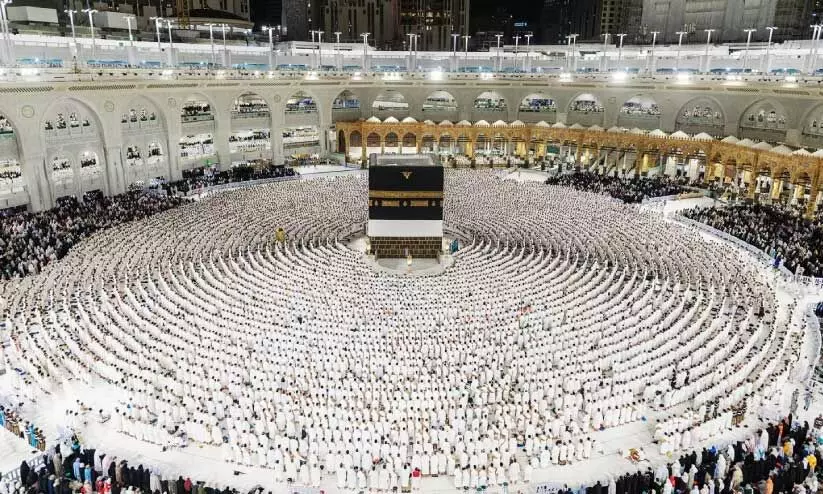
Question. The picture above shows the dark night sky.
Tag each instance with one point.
(483, 10)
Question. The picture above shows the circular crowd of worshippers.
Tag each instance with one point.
(782, 232)
(629, 190)
(30, 241)
(780, 458)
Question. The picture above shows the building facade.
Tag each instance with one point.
(295, 19)
(435, 21)
(351, 18)
(727, 17)
(69, 138)
(561, 18)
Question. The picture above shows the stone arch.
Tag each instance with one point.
(445, 143)
(71, 127)
(390, 103)
(391, 140)
(489, 101)
(410, 141)
(198, 127)
(812, 123)
(536, 107)
(538, 103)
(301, 133)
(373, 140)
(427, 143)
(341, 142)
(250, 136)
(440, 105)
(355, 139)
(640, 111)
(249, 104)
(301, 102)
(355, 144)
(767, 113)
(144, 132)
(11, 158)
(197, 107)
(482, 144)
(701, 114)
(346, 106)
(586, 109)
(586, 103)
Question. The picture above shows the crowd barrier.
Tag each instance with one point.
(814, 325)
(237, 185)
(262, 181)
(13, 476)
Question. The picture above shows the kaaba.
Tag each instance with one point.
(405, 206)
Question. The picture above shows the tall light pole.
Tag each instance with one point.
(499, 61)
(320, 50)
(654, 41)
(6, 34)
(211, 42)
(516, 49)
(365, 37)
(271, 45)
(605, 50)
(169, 23)
(620, 49)
(467, 38)
(708, 45)
(71, 13)
(679, 45)
(771, 30)
(91, 13)
(816, 29)
(414, 51)
(157, 21)
(748, 42)
(574, 51)
(528, 51)
(130, 18)
(411, 36)
(568, 51)
(337, 60)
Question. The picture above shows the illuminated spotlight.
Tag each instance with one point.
(565, 77)
(29, 71)
(791, 79)
(392, 76)
(271, 74)
(486, 76)
(356, 76)
(683, 77)
(436, 75)
(221, 74)
(312, 76)
(619, 76)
